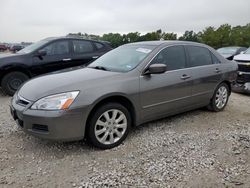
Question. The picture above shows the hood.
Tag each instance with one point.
(227, 56)
(10, 57)
(7, 55)
(62, 82)
(242, 57)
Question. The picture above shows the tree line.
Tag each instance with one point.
(224, 35)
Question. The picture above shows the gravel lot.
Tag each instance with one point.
(194, 149)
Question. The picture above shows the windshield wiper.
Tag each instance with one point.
(100, 68)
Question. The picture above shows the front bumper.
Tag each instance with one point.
(241, 87)
(243, 77)
(242, 84)
(64, 125)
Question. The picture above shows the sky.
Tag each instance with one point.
(33, 20)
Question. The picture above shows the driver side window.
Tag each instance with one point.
(57, 48)
(174, 57)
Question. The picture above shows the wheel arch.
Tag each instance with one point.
(8, 70)
(121, 99)
(228, 84)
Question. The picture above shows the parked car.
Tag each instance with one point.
(231, 51)
(243, 80)
(46, 56)
(16, 47)
(3, 47)
(128, 86)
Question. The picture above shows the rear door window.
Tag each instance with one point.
(81, 46)
(199, 56)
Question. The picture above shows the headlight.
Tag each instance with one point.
(60, 101)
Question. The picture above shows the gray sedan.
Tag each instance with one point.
(128, 86)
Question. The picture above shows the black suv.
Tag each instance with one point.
(48, 55)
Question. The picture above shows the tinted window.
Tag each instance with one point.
(81, 46)
(199, 56)
(57, 48)
(174, 57)
(99, 45)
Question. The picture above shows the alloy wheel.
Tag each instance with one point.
(221, 97)
(111, 126)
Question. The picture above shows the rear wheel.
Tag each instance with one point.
(220, 98)
(109, 126)
(12, 81)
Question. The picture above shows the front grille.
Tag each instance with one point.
(243, 66)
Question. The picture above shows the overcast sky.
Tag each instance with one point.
(32, 20)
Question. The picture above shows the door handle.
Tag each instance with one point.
(68, 59)
(184, 77)
(217, 70)
(95, 57)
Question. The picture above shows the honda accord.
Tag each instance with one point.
(128, 86)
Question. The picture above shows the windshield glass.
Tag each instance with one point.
(230, 50)
(122, 59)
(247, 51)
(32, 47)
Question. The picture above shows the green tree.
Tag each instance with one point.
(240, 35)
(131, 37)
(223, 36)
(208, 36)
(156, 35)
(190, 36)
(115, 39)
(169, 36)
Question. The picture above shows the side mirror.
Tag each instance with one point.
(41, 53)
(156, 69)
(242, 52)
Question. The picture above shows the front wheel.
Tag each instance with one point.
(109, 126)
(12, 81)
(220, 98)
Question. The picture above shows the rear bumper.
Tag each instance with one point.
(67, 125)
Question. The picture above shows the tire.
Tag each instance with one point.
(221, 95)
(12, 81)
(100, 134)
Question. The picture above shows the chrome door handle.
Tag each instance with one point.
(217, 70)
(184, 77)
(68, 59)
(95, 57)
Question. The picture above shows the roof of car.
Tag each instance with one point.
(72, 37)
(164, 42)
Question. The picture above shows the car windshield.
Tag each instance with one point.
(122, 59)
(32, 47)
(230, 50)
(247, 51)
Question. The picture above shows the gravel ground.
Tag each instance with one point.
(194, 149)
